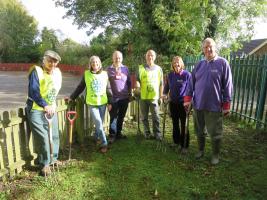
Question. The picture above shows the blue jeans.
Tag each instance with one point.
(39, 128)
(98, 114)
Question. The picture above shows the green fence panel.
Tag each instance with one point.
(249, 80)
(262, 94)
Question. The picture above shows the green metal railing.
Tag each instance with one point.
(250, 84)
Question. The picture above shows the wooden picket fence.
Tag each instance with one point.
(16, 144)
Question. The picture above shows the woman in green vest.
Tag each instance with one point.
(95, 80)
(44, 85)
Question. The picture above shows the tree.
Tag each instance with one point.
(49, 40)
(18, 33)
(171, 27)
(187, 22)
(101, 13)
(232, 21)
(73, 53)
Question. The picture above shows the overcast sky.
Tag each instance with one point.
(47, 14)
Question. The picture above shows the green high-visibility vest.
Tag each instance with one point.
(96, 85)
(149, 83)
(50, 85)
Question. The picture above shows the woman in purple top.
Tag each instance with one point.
(120, 83)
(174, 89)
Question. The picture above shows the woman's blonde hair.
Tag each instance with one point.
(180, 61)
(97, 59)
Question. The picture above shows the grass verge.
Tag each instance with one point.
(140, 171)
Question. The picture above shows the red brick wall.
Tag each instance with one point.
(26, 66)
(75, 69)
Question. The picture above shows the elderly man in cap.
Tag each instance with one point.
(44, 85)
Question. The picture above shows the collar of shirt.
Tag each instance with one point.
(150, 67)
(215, 58)
(112, 66)
(180, 73)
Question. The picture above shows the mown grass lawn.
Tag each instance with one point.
(141, 171)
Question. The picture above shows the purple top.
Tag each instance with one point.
(120, 82)
(211, 84)
(176, 84)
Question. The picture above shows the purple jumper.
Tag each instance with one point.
(211, 84)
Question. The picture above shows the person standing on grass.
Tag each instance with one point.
(150, 86)
(44, 84)
(95, 80)
(174, 90)
(120, 83)
(210, 89)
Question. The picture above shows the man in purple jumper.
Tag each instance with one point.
(211, 89)
(120, 83)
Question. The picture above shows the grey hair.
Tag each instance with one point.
(151, 50)
(208, 40)
(117, 52)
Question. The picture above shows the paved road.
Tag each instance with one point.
(13, 88)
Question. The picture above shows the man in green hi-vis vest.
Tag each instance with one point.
(150, 85)
(44, 84)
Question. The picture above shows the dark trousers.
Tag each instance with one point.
(178, 116)
(117, 114)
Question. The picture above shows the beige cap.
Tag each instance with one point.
(52, 54)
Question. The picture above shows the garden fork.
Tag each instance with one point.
(186, 134)
(49, 118)
(139, 132)
(161, 145)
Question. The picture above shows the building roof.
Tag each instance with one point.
(251, 46)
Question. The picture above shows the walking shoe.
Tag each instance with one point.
(214, 160)
(147, 136)
(150, 137)
(46, 171)
(111, 139)
(173, 145)
(104, 149)
(199, 154)
(58, 163)
(121, 136)
(98, 142)
(184, 150)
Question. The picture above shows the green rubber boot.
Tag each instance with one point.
(201, 146)
(216, 146)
